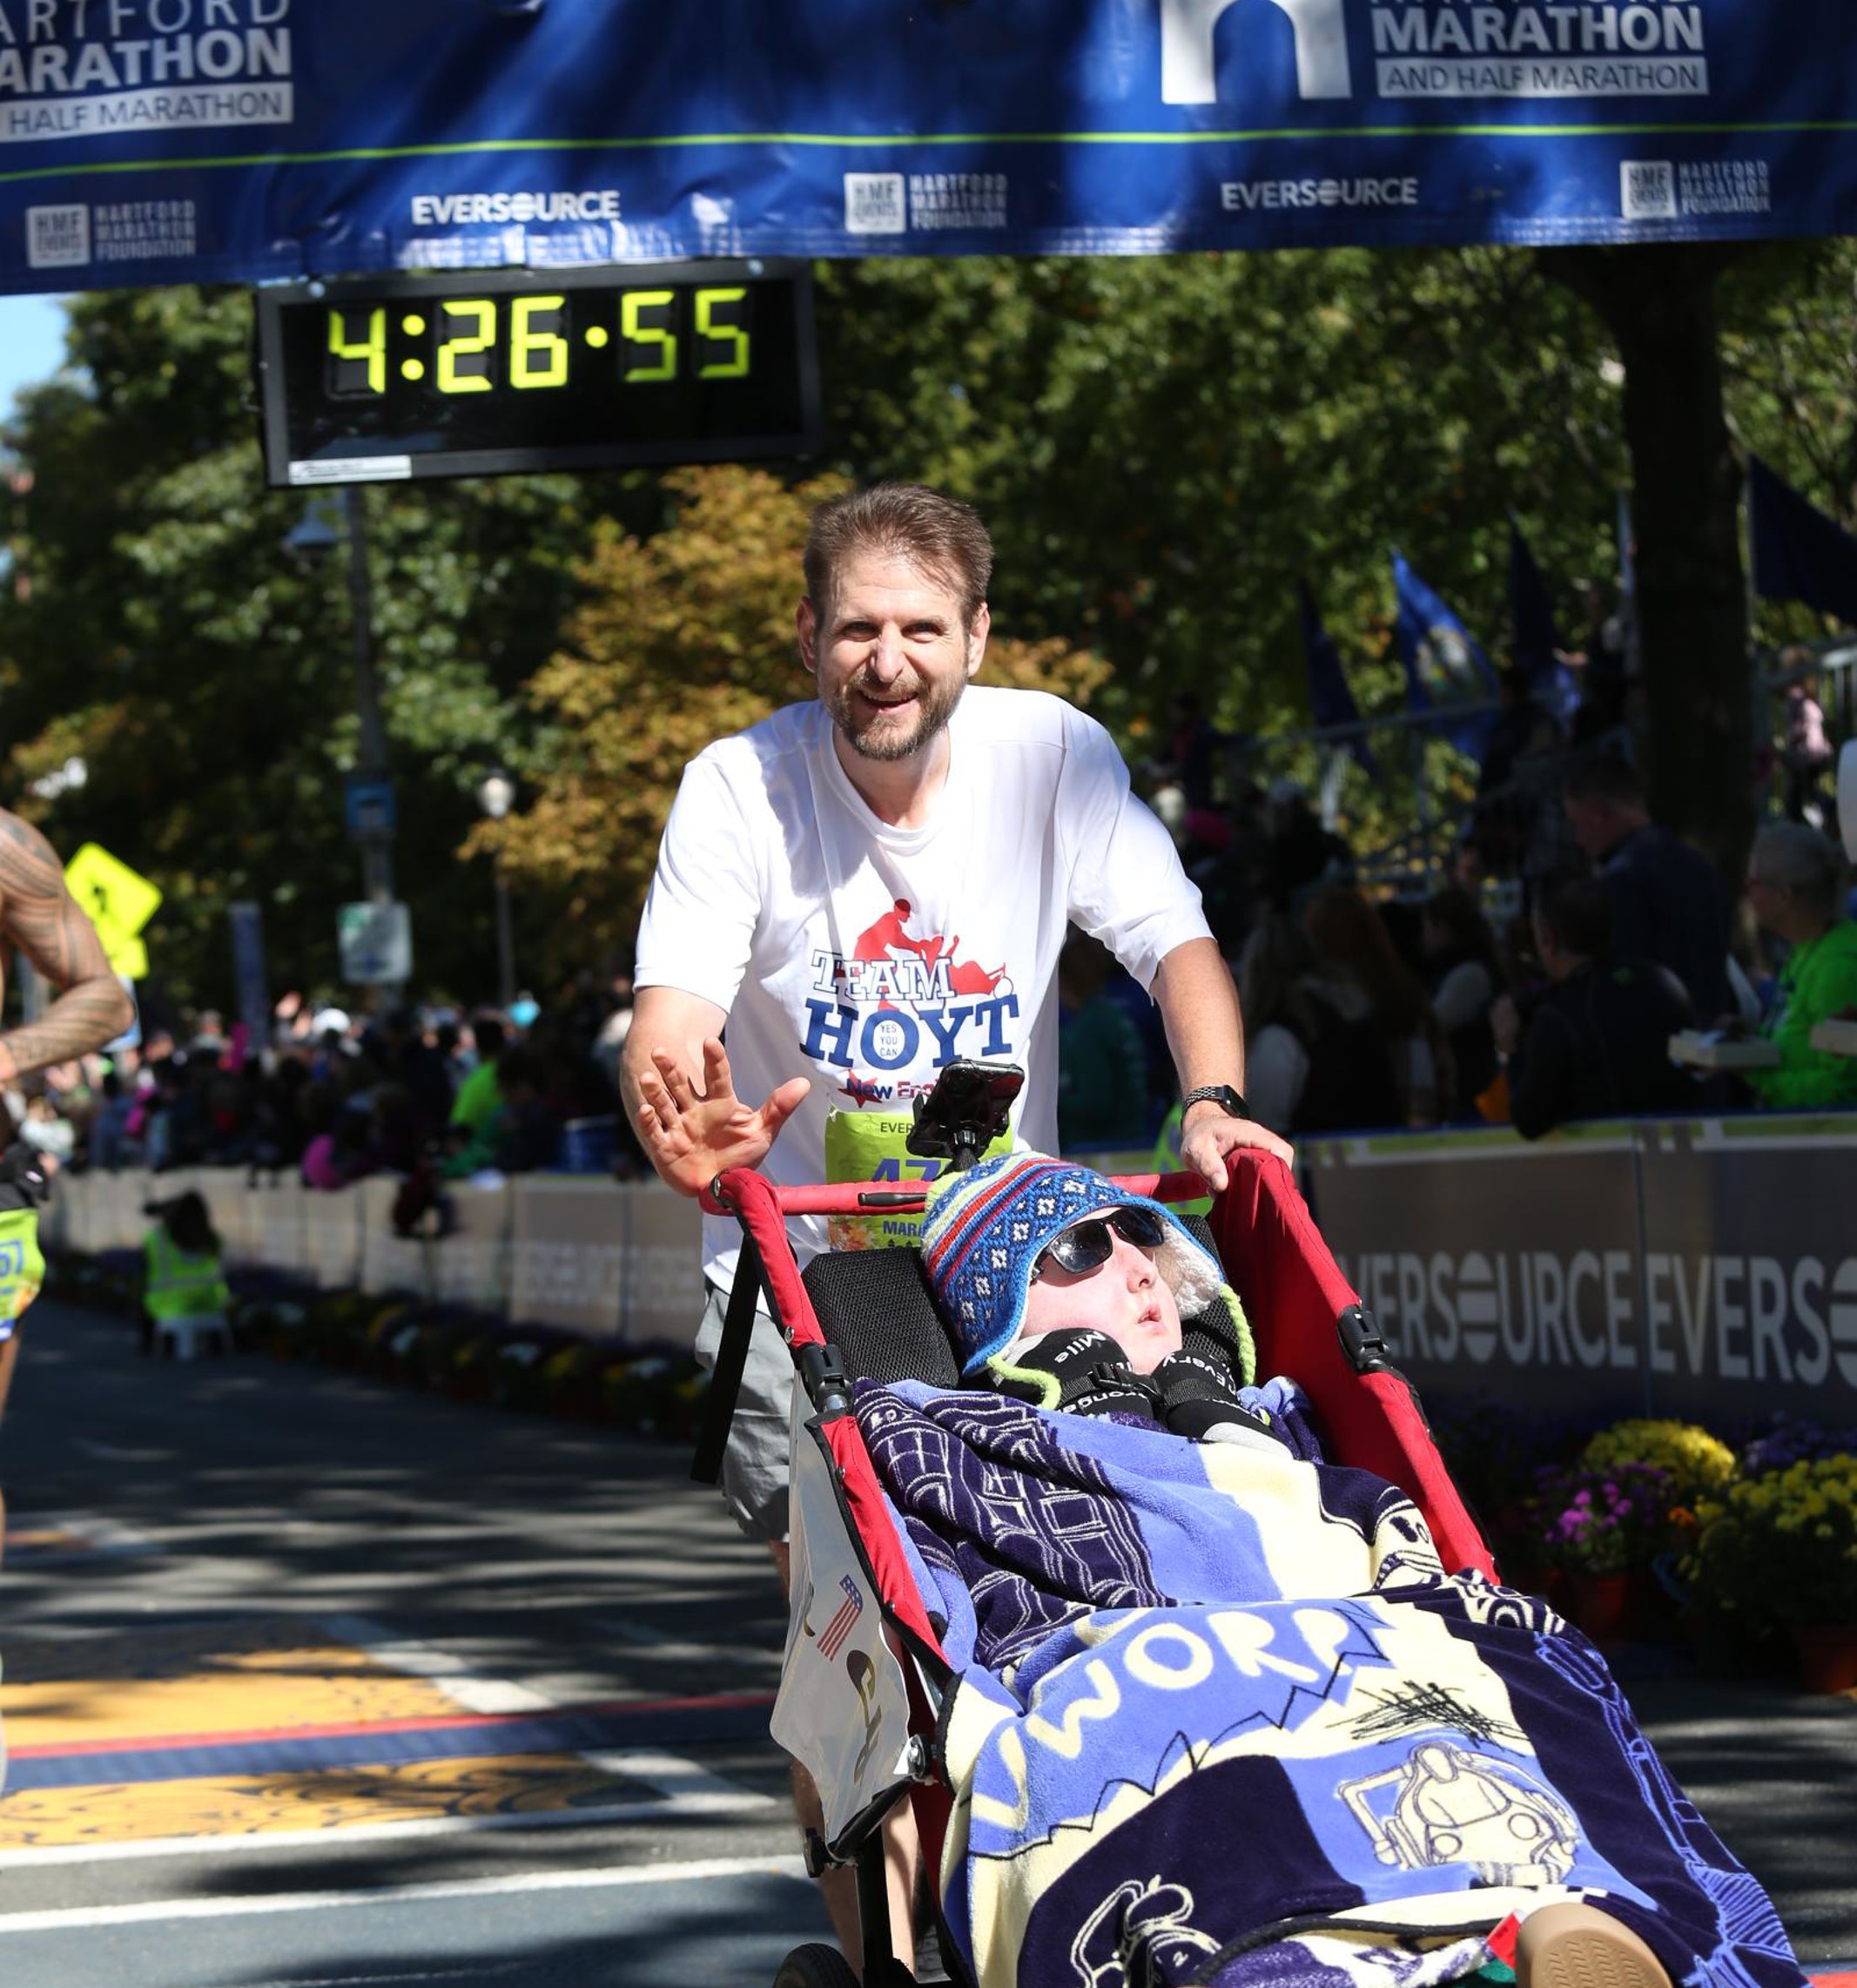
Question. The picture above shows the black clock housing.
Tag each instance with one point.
(481, 373)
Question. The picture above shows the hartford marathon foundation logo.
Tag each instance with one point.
(1436, 48)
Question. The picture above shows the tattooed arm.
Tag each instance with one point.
(40, 917)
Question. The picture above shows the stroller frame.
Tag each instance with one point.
(1306, 1321)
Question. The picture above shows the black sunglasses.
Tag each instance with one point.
(1088, 1245)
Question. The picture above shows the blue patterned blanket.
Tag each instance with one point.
(1222, 1717)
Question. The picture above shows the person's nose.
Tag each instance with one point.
(1137, 1266)
(886, 661)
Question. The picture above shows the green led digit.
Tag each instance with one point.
(526, 368)
(480, 312)
(635, 334)
(370, 353)
(736, 366)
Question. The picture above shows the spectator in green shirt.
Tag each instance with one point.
(479, 1096)
(1796, 884)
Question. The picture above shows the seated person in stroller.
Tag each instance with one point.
(1222, 1716)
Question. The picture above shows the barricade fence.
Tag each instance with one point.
(601, 1256)
(1704, 1269)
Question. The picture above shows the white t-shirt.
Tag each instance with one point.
(781, 897)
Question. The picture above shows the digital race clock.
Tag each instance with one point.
(473, 373)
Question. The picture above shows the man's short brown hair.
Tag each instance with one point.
(940, 534)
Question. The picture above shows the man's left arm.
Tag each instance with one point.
(1199, 1004)
(44, 922)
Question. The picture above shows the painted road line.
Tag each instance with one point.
(158, 1912)
(65, 1538)
(440, 1669)
(267, 1674)
(726, 1717)
(654, 1785)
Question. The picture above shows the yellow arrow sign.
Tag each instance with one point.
(117, 900)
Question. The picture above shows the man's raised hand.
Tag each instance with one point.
(691, 1136)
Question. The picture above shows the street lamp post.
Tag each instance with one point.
(377, 845)
(495, 795)
(315, 536)
(311, 539)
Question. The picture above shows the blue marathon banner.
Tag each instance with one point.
(152, 141)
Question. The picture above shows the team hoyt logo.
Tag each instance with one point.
(900, 999)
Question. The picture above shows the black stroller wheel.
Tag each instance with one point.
(816, 1965)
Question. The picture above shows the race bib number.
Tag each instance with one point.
(872, 1147)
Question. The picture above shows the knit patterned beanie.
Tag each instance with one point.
(985, 1228)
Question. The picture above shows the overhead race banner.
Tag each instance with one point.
(155, 141)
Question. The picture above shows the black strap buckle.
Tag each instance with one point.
(1360, 1340)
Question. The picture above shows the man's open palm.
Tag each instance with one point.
(691, 1135)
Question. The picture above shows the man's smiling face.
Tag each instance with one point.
(890, 654)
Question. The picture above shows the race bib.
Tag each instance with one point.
(22, 1266)
(872, 1146)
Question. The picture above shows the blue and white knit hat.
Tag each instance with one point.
(985, 1228)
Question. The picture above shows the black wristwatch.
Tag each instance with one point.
(1229, 1101)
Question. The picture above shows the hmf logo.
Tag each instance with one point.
(1186, 65)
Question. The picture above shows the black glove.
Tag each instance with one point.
(23, 1181)
(1199, 1397)
(1091, 1372)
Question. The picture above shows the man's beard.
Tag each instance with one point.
(872, 736)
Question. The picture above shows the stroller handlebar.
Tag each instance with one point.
(865, 1197)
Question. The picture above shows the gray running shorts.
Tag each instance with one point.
(754, 1471)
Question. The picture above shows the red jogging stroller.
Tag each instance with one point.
(863, 1686)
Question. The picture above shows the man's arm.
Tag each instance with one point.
(674, 1080)
(1199, 1005)
(44, 921)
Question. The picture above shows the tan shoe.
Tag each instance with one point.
(1579, 1946)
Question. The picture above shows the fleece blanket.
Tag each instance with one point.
(1222, 1718)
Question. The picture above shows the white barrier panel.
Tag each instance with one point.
(332, 1240)
(471, 1263)
(661, 1281)
(389, 1261)
(596, 1256)
(568, 1256)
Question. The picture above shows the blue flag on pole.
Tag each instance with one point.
(1444, 666)
(1538, 645)
(1331, 701)
(1798, 553)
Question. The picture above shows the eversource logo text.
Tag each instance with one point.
(460, 210)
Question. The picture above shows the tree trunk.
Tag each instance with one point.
(1696, 729)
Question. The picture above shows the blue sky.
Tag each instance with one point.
(31, 343)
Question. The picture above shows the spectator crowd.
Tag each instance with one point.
(1543, 982)
(428, 1092)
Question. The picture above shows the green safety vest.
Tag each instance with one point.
(180, 1286)
(22, 1266)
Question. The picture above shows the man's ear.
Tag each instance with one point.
(806, 625)
(977, 640)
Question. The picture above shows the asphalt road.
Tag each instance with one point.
(309, 1681)
(312, 1682)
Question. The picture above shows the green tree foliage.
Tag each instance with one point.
(1162, 446)
(157, 628)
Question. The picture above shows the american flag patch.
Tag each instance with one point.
(831, 1637)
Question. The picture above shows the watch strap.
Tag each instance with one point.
(1230, 1100)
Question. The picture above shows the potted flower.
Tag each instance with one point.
(1781, 1549)
(1596, 1528)
(1699, 1464)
